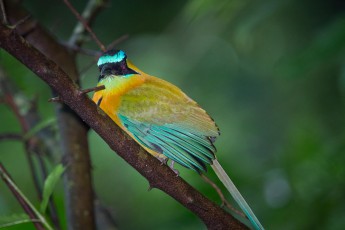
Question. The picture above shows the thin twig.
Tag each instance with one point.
(3, 11)
(5, 20)
(93, 89)
(221, 195)
(23, 201)
(55, 99)
(17, 222)
(84, 91)
(34, 174)
(11, 136)
(94, 53)
(81, 19)
(80, 50)
(117, 41)
(87, 66)
(21, 21)
(110, 46)
(92, 8)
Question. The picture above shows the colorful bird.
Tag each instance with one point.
(162, 119)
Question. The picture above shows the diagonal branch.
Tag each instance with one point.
(159, 176)
(85, 23)
(91, 10)
(34, 215)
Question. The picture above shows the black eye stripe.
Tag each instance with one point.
(117, 68)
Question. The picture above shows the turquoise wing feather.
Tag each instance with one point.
(187, 149)
(164, 119)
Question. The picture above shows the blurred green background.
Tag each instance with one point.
(271, 74)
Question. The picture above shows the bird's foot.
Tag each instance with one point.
(163, 160)
(173, 169)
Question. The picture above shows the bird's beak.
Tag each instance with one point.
(103, 71)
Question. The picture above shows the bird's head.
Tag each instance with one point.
(114, 63)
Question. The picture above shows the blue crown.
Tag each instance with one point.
(111, 56)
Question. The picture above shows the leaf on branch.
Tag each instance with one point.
(49, 185)
(14, 219)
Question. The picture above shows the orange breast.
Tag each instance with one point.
(109, 99)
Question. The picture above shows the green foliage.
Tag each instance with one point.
(14, 219)
(49, 185)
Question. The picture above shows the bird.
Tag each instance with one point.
(162, 119)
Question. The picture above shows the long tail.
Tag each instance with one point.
(225, 179)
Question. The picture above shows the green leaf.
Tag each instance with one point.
(43, 124)
(14, 219)
(49, 185)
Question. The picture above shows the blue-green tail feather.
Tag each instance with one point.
(236, 194)
(188, 149)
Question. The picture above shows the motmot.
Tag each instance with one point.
(162, 119)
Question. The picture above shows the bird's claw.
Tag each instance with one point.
(163, 160)
(173, 169)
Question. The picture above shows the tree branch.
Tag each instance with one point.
(20, 198)
(91, 10)
(84, 22)
(159, 176)
(11, 136)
